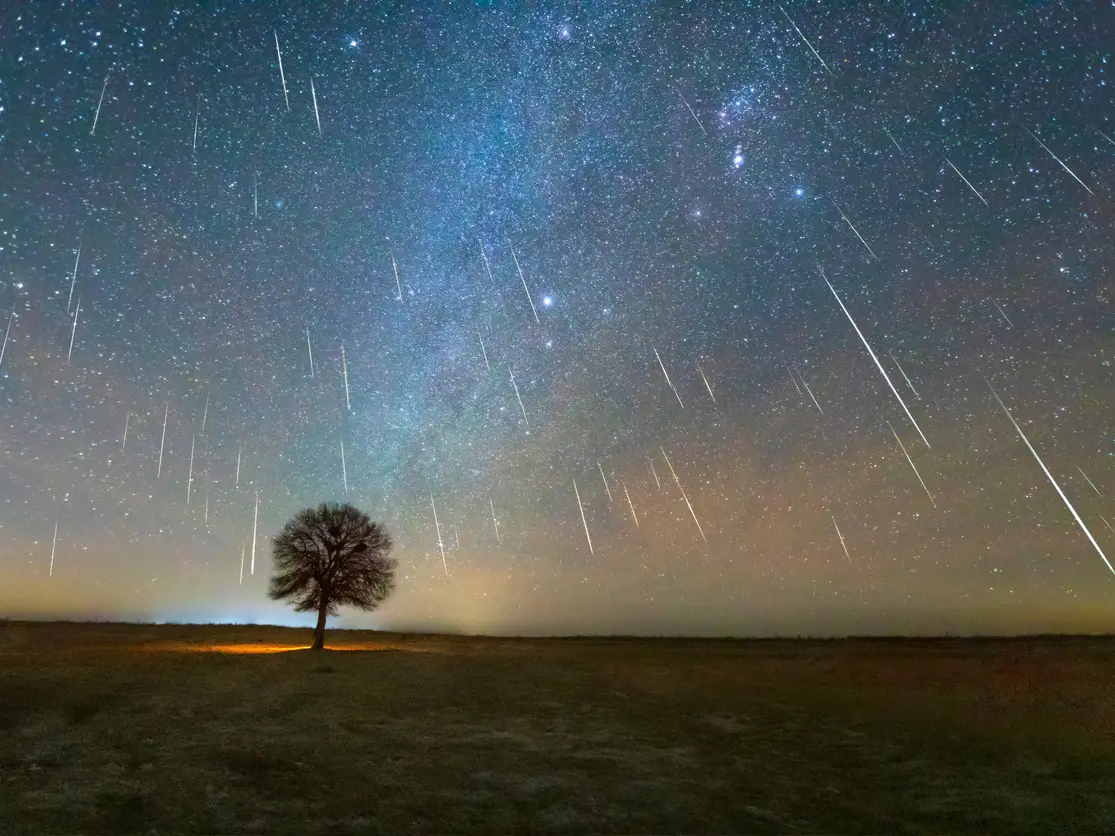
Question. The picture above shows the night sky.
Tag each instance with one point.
(671, 180)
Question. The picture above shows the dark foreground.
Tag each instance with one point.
(119, 729)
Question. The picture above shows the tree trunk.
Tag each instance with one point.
(319, 631)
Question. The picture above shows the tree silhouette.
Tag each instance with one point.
(332, 556)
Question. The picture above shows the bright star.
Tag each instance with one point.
(547, 301)
(799, 191)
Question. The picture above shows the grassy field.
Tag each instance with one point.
(121, 729)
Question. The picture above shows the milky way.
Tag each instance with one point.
(322, 300)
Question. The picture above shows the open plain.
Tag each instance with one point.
(228, 729)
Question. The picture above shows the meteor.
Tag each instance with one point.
(605, 478)
(53, 547)
(1001, 313)
(629, 504)
(281, 75)
(810, 391)
(124, 443)
(911, 461)
(795, 381)
(965, 179)
(73, 279)
(310, 349)
(243, 548)
(7, 331)
(907, 379)
(239, 450)
(856, 231)
(495, 522)
(662, 366)
(530, 298)
(1052, 481)
(344, 467)
(162, 443)
(886, 377)
(654, 473)
(205, 414)
(1089, 481)
(395, 267)
(705, 379)
(583, 520)
(255, 195)
(484, 351)
(817, 54)
(1058, 159)
(255, 528)
(73, 333)
(190, 478)
(841, 536)
(97, 115)
(683, 496)
(440, 544)
(317, 118)
(691, 113)
(344, 368)
(519, 397)
(892, 139)
(197, 116)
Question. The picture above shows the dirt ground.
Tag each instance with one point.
(219, 729)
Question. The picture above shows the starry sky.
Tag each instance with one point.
(664, 372)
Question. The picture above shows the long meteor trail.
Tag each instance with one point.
(811, 49)
(53, 547)
(665, 373)
(912, 465)
(519, 397)
(965, 179)
(583, 520)
(281, 74)
(255, 528)
(841, 536)
(97, 115)
(691, 113)
(630, 504)
(683, 496)
(73, 279)
(162, 443)
(526, 289)
(440, 544)
(904, 375)
(883, 371)
(1052, 481)
(856, 231)
(1089, 481)
(1058, 159)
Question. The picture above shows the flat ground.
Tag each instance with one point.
(119, 729)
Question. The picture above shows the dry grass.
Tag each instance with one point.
(121, 729)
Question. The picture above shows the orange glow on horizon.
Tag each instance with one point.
(249, 649)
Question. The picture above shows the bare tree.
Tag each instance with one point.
(332, 556)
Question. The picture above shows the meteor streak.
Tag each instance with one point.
(1105, 136)
(583, 520)
(841, 536)
(883, 371)
(691, 113)
(344, 467)
(519, 397)
(1105, 522)
(53, 547)
(395, 267)
(495, 522)
(524, 281)
(1089, 481)
(907, 379)
(605, 478)
(662, 366)
(73, 279)
(484, 351)
(197, 116)
(1058, 159)
(794, 380)
(856, 231)
(683, 496)
(281, 75)
(819, 58)
(810, 391)
(912, 465)
(97, 115)
(317, 118)
(190, 478)
(73, 333)
(629, 503)
(162, 443)
(7, 331)
(1052, 481)
(344, 369)
(255, 195)
(310, 349)
(965, 179)
(239, 450)
(440, 544)
(654, 473)
(892, 139)
(243, 548)
(705, 379)
(124, 443)
(205, 414)
(255, 528)
(1001, 313)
